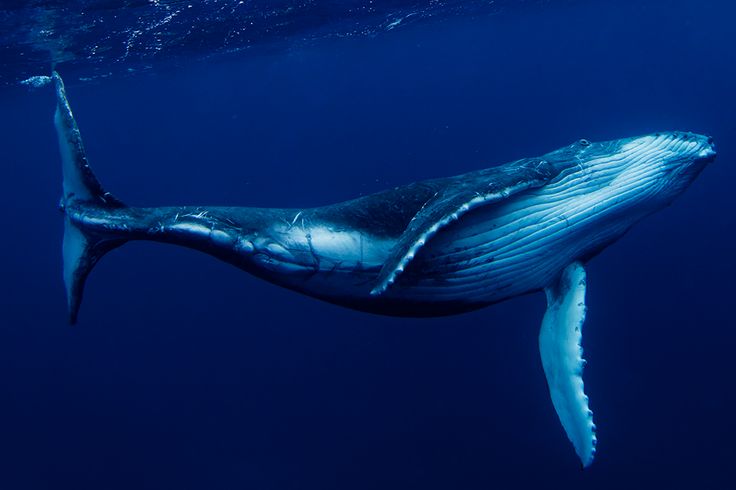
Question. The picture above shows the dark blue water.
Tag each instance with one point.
(186, 373)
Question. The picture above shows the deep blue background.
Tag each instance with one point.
(186, 373)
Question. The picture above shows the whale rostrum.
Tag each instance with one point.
(430, 248)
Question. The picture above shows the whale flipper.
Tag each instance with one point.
(81, 250)
(562, 358)
(447, 205)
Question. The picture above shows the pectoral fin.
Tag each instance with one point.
(562, 358)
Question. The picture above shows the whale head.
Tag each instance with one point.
(643, 173)
(607, 187)
(664, 163)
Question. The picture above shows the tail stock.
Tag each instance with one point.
(82, 249)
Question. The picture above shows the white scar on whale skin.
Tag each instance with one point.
(431, 248)
(349, 248)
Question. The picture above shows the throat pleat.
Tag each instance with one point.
(520, 245)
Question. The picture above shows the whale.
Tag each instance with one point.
(437, 247)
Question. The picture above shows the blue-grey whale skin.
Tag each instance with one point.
(430, 248)
(514, 245)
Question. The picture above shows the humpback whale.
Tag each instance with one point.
(430, 248)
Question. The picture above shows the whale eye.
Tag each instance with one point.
(584, 142)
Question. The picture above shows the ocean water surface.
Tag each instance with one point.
(186, 373)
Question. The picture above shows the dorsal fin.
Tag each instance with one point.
(469, 191)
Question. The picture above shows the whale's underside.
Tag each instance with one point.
(430, 248)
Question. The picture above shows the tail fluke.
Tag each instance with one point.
(81, 249)
(81, 253)
(80, 183)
